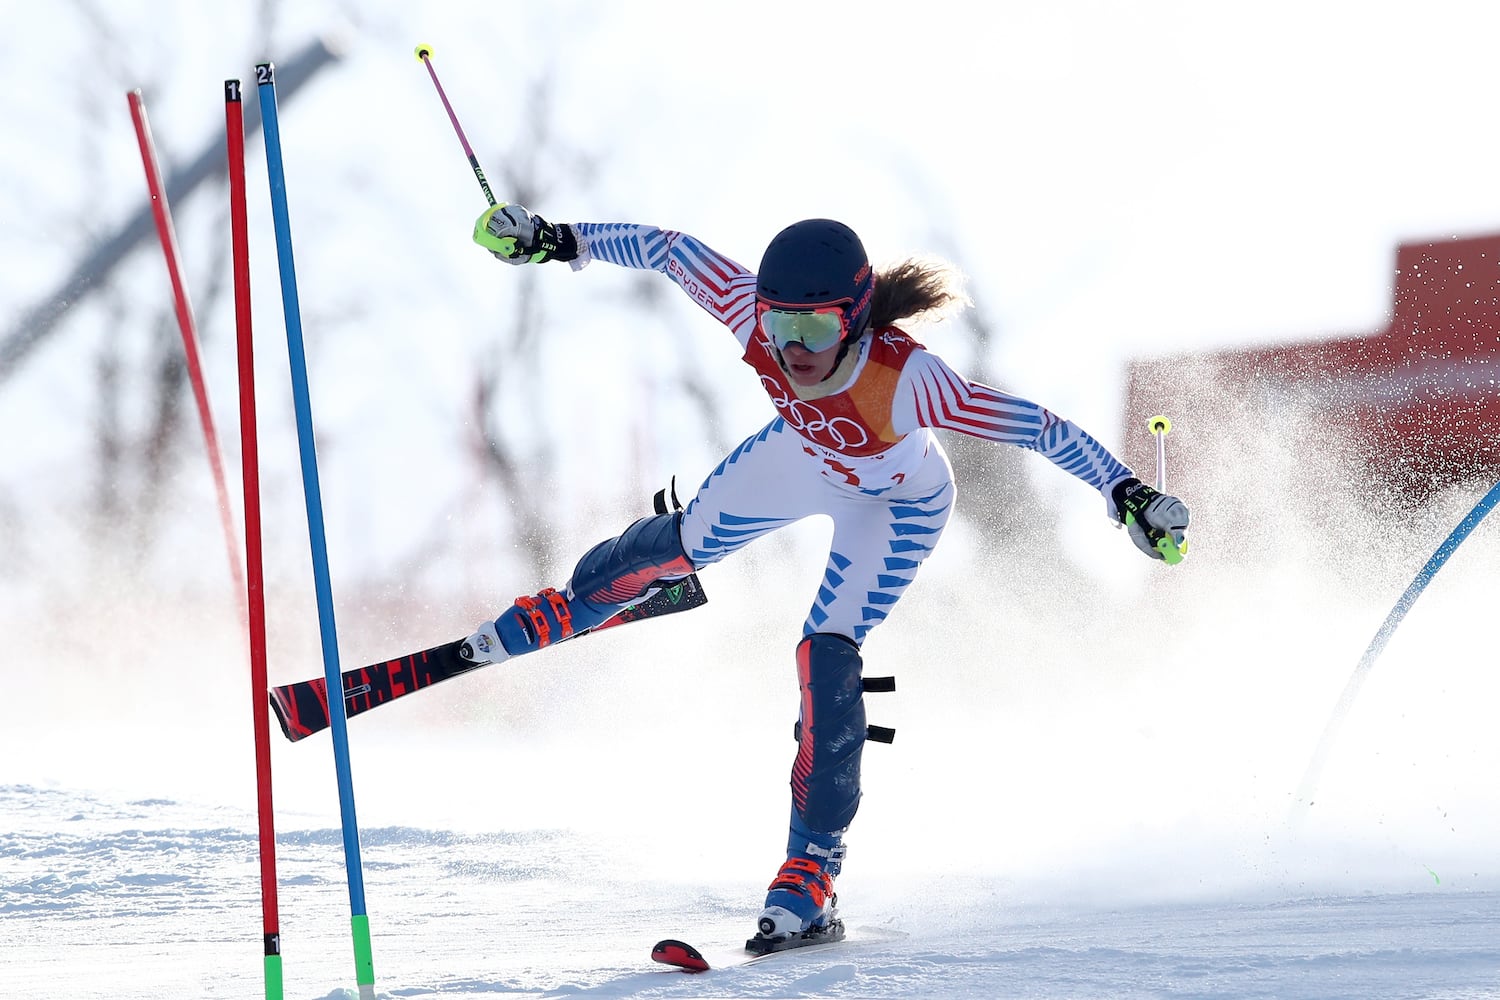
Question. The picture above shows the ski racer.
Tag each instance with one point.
(855, 402)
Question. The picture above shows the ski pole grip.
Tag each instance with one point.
(1162, 542)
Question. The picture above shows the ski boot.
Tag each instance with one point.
(801, 905)
(801, 899)
(801, 908)
(533, 622)
(611, 575)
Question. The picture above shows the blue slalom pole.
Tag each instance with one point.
(1383, 635)
(265, 76)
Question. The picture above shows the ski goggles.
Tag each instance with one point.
(815, 329)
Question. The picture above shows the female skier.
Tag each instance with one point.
(855, 401)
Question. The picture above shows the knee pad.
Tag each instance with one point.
(830, 734)
(620, 570)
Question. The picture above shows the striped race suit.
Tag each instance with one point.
(865, 455)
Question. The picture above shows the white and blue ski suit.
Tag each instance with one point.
(859, 448)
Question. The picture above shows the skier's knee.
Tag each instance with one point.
(620, 570)
(831, 732)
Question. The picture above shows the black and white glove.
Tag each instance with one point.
(516, 236)
(1157, 521)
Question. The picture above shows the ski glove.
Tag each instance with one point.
(516, 236)
(1157, 522)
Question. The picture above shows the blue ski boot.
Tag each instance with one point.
(533, 622)
(611, 575)
(801, 897)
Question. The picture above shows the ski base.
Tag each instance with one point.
(681, 955)
(828, 933)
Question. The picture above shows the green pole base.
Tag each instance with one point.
(273, 977)
(364, 959)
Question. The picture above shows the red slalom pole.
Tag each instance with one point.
(168, 235)
(234, 126)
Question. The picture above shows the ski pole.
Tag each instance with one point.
(1160, 427)
(424, 55)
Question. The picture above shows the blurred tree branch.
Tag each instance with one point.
(96, 267)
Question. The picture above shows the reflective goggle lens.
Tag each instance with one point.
(816, 331)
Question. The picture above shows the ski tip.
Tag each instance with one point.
(679, 955)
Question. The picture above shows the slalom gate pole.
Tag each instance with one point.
(162, 216)
(364, 966)
(1382, 636)
(234, 130)
(424, 53)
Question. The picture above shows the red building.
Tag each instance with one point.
(1415, 405)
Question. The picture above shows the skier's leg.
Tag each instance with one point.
(732, 508)
(611, 575)
(877, 548)
(876, 552)
(825, 783)
(763, 485)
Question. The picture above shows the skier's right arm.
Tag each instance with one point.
(719, 285)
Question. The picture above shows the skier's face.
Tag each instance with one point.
(808, 367)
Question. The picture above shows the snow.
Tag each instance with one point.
(1040, 828)
(157, 898)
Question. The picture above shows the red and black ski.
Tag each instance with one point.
(302, 708)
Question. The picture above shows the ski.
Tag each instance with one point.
(681, 955)
(302, 708)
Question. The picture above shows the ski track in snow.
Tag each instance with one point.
(160, 898)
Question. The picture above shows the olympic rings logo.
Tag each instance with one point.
(838, 432)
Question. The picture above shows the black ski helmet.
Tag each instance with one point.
(818, 262)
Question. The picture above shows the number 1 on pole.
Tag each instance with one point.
(424, 55)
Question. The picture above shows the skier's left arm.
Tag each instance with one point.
(931, 394)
